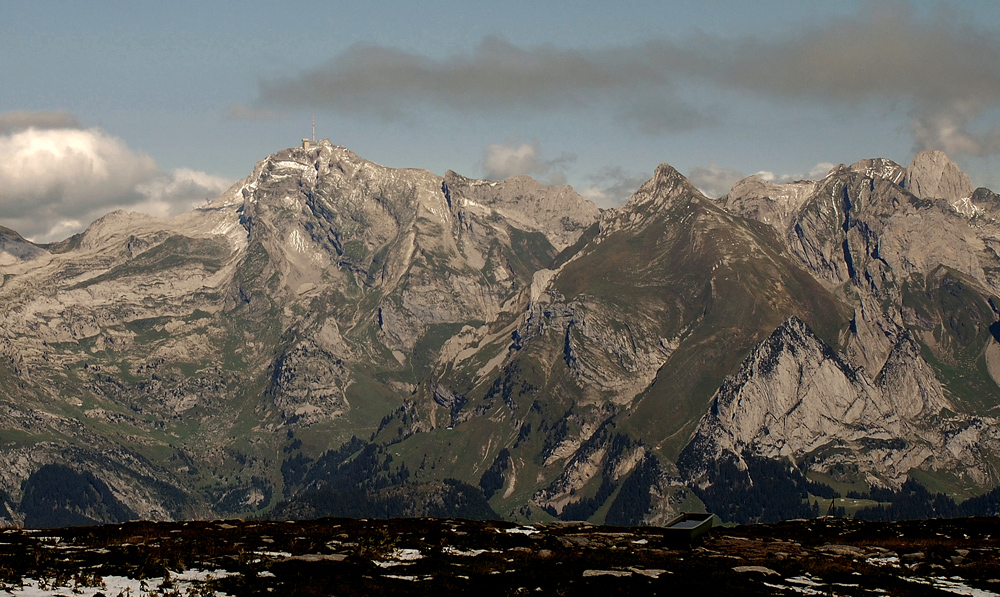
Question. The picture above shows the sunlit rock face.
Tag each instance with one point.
(330, 331)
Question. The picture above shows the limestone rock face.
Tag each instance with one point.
(317, 292)
(912, 250)
(860, 226)
(861, 221)
(878, 168)
(557, 212)
(932, 175)
(796, 399)
(768, 202)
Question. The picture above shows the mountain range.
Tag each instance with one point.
(334, 337)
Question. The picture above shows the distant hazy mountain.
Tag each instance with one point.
(334, 337)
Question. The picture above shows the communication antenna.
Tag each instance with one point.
(314, 128)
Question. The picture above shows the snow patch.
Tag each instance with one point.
(297, 241)
(967, 208)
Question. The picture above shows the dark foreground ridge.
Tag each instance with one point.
(451, 556)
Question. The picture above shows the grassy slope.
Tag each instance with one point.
(718, 282)
(957, 309)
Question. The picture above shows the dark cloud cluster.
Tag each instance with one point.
(948, 74)
(945, 75)
(394, 85)
(19, 120)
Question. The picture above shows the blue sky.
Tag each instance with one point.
(179, 99)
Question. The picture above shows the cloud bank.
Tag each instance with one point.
(941, 75)
(715, 181)
(611, 187)
(20, 120)
(56, 180)
(393, 85)
(503, 160)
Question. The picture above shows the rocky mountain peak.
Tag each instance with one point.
(768, 202)
(932, 175)
(667, 179)
(666, 186)
(879, 168)
(560, 213)
(14, 248)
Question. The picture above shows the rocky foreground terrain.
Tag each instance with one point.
(331, 337)
(827, 556)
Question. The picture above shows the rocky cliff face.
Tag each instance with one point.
(933, 176)
(334, 331)
(796, 399)
(913, 251)
(316, 293)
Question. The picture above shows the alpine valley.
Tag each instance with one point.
(333, 337)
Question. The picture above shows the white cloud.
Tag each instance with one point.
(819, 171)
(503, 160)
(53, 182)
(179, 191)
(714, 180)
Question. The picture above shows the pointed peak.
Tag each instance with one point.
(667, 189)
(932, 175)
(14, 248)
(879, 168)
(667, 174)
(931, 156)
(454, 179)
(665, 169)
(665, 185)
(792, 331)
(793, 327)
(794, 322)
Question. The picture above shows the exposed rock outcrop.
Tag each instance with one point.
(932, 175)
(13, 248)
(796, 399)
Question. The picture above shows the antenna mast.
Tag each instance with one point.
(314, 128)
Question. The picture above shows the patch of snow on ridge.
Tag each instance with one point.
(296, 241)
(954, 585)
(966, 207)
(288, 164)
(188, 582)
